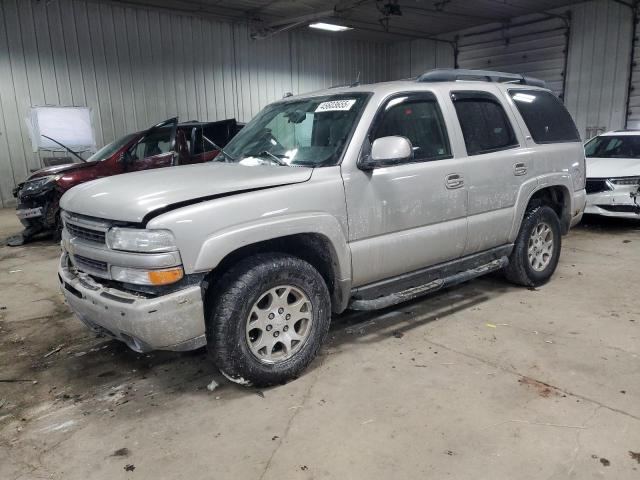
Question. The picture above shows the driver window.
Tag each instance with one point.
(156, 143)
(418, 118)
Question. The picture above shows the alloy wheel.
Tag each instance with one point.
(279, 324)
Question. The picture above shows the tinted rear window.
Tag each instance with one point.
(484, 123)
(546, 117)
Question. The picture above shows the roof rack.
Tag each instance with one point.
(453, 74)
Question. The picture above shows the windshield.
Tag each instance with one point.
(614, 146)
(111, 148)
(309, 132)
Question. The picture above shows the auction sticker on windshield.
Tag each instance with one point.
(335, 106)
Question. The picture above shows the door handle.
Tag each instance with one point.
(519, 169)
(454, 180)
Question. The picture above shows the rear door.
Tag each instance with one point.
(497, 164)
(205, 136)
(413, 214)
(550, 128)
(203, 149)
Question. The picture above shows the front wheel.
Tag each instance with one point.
(268, 319)
(537, 249)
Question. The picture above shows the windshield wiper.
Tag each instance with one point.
(276, 159)
(219, 148)
(65, 147)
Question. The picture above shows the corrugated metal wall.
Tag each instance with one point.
(535, 45)
(411, 58)
(135, 67)
(633, 108)
(599, 62)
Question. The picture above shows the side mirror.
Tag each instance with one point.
(388, 151)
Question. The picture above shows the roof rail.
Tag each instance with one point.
(453, 74)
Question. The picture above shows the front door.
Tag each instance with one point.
(410, 215)
(156, 148)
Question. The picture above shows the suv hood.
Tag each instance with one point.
(130, 197)
(612, 167)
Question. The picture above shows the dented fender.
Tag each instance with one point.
(206, 232)
(529, 189)
(221, 243)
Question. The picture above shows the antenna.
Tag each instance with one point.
(357, 82)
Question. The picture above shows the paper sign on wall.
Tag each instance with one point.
(70, 126)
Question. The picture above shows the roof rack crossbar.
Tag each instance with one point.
(453, 74)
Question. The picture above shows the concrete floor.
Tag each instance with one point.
(481, 381)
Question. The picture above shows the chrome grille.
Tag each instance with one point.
(85, 233)
(90, 265)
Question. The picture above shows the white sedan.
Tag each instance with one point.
(613, 174)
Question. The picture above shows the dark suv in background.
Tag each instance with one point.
(166, 144)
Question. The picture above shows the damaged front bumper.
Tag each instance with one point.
(617, 203)
(174, 321)
(38, 212)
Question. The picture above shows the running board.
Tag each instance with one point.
(414, 292)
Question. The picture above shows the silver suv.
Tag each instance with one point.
(355, 197)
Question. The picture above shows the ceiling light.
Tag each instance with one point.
(329, 26)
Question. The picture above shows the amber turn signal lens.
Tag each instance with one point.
(165, 277)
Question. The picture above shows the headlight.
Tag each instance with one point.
(147, 277)
(144, 241)
(38, 184)
(625, 181)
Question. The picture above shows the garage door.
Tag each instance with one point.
(536, 47)
(633, 107)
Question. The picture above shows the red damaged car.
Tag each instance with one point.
(166, 144)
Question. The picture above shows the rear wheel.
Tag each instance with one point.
(537, 249)
(269, 317)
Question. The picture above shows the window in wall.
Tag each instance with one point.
(485, 125)
(546, 117)
(418, 118)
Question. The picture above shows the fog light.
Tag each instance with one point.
(147, 277)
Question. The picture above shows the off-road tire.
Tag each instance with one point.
(519, 270)
(231, 301)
